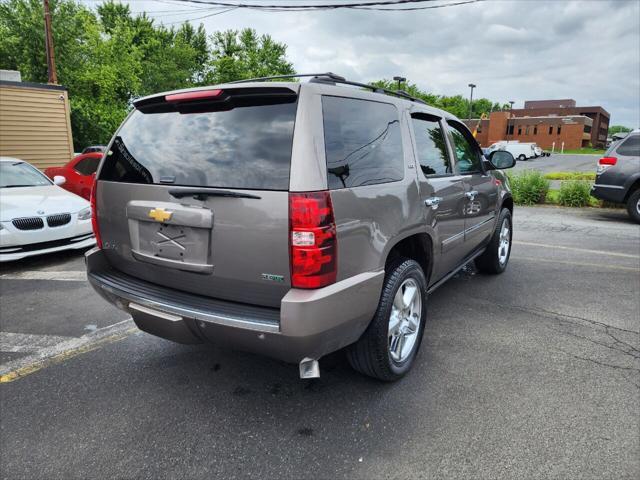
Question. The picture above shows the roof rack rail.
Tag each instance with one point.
(330, 77)
(407, 95)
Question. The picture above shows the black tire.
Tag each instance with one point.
(489, 261)
(633, 207)
(370, 355)
(522, 158)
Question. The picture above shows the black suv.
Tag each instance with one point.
(618, 174)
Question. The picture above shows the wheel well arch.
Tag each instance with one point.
(632, 188)
(418, 247)
(507, 202)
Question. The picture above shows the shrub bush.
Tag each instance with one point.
(575, 193)
(529, 187)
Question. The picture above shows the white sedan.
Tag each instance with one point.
(37, 216)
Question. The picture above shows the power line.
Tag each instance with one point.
(200, 18)
(371, 5)
(408, 9)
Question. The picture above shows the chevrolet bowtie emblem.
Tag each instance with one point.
(160, 214)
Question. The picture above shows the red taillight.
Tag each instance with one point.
(607, 161)
(94, 214)
(197, 95)
(312, 236)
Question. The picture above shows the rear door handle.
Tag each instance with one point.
(471, 195)
(433, 202)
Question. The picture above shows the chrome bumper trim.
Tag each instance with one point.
(185, 312)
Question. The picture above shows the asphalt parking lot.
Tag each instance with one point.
(531, 374)
(561, 163)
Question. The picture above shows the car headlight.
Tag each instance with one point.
(84, 214)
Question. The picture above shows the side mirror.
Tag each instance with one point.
(59, 180)
(501, 159)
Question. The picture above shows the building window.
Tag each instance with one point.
(535, 130)
(550, 130)
(587, 129)
(559, 129)
(519, 130)
(526, 130)
(507, 132)
(510, 129)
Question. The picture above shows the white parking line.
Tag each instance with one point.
(56, 352)
(583, 250)
(575, 264)
(28, 343)
(65, 276)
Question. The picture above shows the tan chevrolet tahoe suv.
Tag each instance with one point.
(294, 219)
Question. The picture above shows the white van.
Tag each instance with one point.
(520, 151)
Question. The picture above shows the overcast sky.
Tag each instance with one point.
(511, 49)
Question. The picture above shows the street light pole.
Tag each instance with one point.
(511, 102)
(48, 38)
(400, 80)
(472, 86)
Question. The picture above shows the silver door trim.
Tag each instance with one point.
(480, 225)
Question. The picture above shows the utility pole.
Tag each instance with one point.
(472, 86)
(511, 102)
(48, 37)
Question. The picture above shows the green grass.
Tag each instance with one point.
(570, 176)
(584, 151)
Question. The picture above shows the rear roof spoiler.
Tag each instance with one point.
(213, 98)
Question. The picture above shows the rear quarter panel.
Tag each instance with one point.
(371, 219)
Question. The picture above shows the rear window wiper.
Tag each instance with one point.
(203, 193)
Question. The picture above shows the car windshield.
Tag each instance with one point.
(20, 174)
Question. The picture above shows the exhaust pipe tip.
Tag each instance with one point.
(309, 368)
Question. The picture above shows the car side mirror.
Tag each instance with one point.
(59, 180)
(501, 159)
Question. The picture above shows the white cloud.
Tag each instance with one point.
(512, 49)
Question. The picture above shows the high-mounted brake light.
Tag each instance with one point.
(188, 96)
(94, 214)
(313, 240)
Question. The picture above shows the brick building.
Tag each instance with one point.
(548, 123)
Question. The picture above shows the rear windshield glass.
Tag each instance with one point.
(247, 147)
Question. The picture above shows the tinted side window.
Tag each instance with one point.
(87, 166)
(630, 147)
(468, 158)
(432, 150)
(362, 142)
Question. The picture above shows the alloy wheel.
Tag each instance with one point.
(404, 321)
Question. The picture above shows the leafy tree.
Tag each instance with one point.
(457, 105)
(613, 129)
(108, 57)
(237, 55)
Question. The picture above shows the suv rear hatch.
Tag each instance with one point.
(193, 193)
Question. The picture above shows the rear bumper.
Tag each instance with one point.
(309, 323)
(610, 193)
